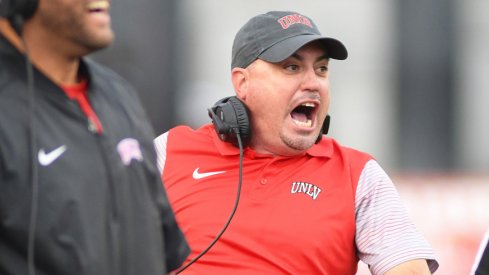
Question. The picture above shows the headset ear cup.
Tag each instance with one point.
(25, 8)
(230, 116)
(29, 9)
(242, 119)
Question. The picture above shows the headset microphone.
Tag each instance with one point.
(324, 128)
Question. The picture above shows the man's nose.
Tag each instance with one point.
(310, 81)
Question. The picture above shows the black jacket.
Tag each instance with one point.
(101, 207)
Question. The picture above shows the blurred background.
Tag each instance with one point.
(413, 91)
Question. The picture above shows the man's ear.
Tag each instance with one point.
(240, 79)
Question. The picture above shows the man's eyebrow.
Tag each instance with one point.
(324, 56)
(297, 56)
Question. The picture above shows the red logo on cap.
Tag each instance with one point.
(292, 19)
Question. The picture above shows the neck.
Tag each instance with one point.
(47, 55)
(8, 32)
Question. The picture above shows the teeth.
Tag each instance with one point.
(307, 123)
(308, 104)
(98, 5)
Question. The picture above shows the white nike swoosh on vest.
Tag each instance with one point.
(196, 175)
(46, 159)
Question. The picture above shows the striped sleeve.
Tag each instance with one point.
(385, 235)
(160, 147)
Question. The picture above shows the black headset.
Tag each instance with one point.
(24, 8)
(230, 116)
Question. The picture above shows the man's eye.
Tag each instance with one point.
(292, 67)
(322, 69)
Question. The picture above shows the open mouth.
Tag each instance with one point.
(303, 114)
(98, 6)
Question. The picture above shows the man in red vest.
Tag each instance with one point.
(305, 204)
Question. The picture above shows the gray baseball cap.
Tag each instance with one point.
(276, 35)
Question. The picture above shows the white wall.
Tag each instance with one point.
(473, 90)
